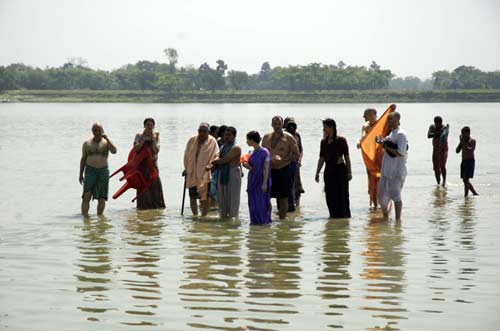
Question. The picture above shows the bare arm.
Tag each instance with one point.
(348, 164)
(83, 160)
(392, 150)
(111, 147)
(138, 142)
(155, 143)
(266, 174)
(321, 161)
(232, 154)
(431, 133)
(459, 147)
(295, 152)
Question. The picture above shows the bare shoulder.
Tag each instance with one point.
(290, 138)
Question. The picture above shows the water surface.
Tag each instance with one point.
(155, 270)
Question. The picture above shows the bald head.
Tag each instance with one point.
(97, 130)
(393, 120)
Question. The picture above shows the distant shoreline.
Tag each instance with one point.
(250, 96)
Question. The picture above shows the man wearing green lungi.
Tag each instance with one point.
(94, 162)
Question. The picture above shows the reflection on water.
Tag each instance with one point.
(466, 240)
(439, 250)
(333, 282)
(212, 268)
(94, 266)
(273, 276)
(384, 272)
(142, 235)
(154, 270)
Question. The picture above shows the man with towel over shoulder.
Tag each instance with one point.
(201, 150)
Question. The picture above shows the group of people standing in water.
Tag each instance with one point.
(213, 167)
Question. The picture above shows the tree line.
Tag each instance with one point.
(170, 78)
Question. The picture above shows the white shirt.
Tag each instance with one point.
(396, 166)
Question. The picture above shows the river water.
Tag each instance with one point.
(436, 269)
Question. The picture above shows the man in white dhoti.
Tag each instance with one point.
(393, 173)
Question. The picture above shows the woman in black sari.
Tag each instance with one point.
(335, 153)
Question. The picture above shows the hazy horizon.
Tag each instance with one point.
(411, 38)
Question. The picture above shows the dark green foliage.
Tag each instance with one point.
(166, 77)
(466, 77)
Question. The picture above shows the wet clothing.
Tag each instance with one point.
(373, 186)
(467, 168)
(395, 166)
(96, 180)
(292, 169)
(196, 158)
(296, 188)
(439, 158)
(229, 193)
(153, 197)
(393, 170)
(335, 177)
(281, 182)
(389, 189)
(439, 147)
(259, 202)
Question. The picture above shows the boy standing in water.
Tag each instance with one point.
(467, 145)
(439, 134)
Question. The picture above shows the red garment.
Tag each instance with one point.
(439, 158)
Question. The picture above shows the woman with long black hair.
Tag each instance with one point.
(334, 152)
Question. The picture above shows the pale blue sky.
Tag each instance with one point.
(408, 37)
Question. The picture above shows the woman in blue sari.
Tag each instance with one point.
(259, 181)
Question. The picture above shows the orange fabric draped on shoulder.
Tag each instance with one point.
(371, 151)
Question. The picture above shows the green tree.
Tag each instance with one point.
(173, 57)
(237, 79)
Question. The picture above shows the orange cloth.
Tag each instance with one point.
(244, 158)
(371, 151)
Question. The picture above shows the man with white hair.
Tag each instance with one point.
(94, 162)
(201, 150)
(393, 173)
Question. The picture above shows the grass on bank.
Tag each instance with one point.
(251, 96)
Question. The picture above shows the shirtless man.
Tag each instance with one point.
(370, 116)
(467, 146)
(439, 135)
(283, 148)
(94, 162)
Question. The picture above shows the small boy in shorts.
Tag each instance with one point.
(467, 146)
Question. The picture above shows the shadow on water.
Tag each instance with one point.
(212, 268)
(333, 283)
(384, 272)
(142, 233)
(95, 267)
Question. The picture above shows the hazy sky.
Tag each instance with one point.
(408, 37)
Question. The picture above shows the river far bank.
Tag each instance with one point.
(250, 96)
